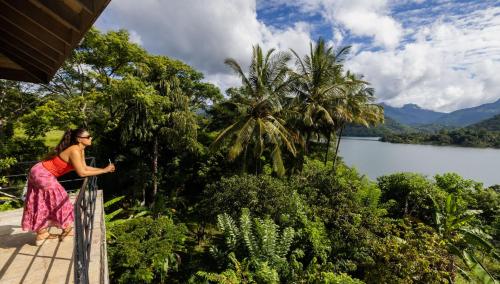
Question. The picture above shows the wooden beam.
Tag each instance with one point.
(88, 4)
(30, 40)
(5, 62)
(34, 54)
(33, 69)
(58, 10)
(18, 75)
(27, 25)
(77, 5)
(20, 47)
(44, 20)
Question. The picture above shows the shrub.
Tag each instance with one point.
(264, 196)
(409, 195)
(409, 253)
(145, 250)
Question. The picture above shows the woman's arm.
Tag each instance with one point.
(84, 161)
(77, 159)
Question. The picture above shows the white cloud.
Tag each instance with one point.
(135, 37)
(448, 66)
(370, 18)
(366, 18)
(202, 34)
(425, 54)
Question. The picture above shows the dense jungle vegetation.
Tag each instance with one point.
(242, 188)
(467, 137)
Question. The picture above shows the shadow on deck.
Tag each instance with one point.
(21, 261)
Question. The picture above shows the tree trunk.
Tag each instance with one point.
(244, 165)
(327, 146)
(82, 90)
(406, 206)
(155, 169)
(143, 202)
(308, 137)
(83, 110)
(337, 148)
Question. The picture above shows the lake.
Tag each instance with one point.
(374, 158)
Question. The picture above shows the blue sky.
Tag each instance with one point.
(442, 55)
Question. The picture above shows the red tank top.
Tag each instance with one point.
(57, 166)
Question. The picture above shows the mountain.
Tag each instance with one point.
(491, 124)
(390, 126)
(412, 114)
(468, 116)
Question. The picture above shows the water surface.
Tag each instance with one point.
(374, 158)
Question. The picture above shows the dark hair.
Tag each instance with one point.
(69, 138)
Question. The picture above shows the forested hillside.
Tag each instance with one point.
(241, 192)
(414, 115)
(390, 126)
(492, 124)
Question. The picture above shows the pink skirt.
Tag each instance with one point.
(47, 203)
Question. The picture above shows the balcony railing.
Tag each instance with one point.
(84, 219)
(84, 207)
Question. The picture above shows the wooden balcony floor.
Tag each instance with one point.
(21, 261)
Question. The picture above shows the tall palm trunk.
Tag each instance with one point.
(155, 169)
(244, 162)
(337, 148)
(328, 139)
(308, 138)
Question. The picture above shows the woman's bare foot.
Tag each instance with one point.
(68, 232)
(43, 235)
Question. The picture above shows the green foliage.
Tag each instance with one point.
(453, 183)
(16, 100)
(491, 124)
(453, 223)
(259, 238)
(145, 250)
(23, 149)
(263, 195)
(407, 194)
(389, 127)
(7, 201)
(242, 272)
(467, 137)
(332, 278)
(6, 163)
(478, 271)
(48, 116)
(156, 117)
(263, 249)
(409, 253)
(259, 127)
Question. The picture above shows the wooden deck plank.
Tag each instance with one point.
(23, 262)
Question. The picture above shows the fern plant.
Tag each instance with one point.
(258, 242)
(261, 237)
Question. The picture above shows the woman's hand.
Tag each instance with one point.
(110, 168)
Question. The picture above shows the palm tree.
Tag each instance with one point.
(356, 107)
(317, 85)
(453, 224)
(259, 124)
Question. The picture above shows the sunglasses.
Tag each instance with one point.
(85, 137)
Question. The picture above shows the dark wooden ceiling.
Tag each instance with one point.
(36, 36)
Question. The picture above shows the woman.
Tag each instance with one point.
(47, 203)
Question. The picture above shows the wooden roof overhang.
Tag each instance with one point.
(36, 36)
